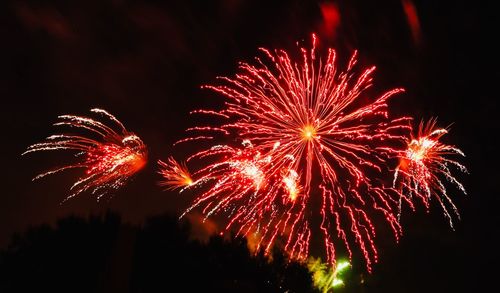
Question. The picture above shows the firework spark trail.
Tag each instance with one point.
(109, 161)
(175, 175)
(299, 122)
(423, 166)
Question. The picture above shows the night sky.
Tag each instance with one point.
(144, 61)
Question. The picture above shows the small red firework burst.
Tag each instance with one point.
(175, 175)
(424, 166)
(109, 160)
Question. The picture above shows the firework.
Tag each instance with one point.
(175, 175)
(425, 164)
(108, 157)
(326, 277)
(298, 131)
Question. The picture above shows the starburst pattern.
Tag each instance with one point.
(309, 131)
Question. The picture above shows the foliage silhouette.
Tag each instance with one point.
(103, 254)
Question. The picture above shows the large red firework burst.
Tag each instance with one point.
(305, 130)
(108, 157)
(424, 166)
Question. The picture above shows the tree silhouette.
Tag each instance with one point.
(102, 254)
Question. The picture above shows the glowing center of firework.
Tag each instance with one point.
(254, 173)
(137, 162)
(185, 177)
(188, 181)
(308, 132)
(418, 149)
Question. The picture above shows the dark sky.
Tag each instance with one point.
(144, 61)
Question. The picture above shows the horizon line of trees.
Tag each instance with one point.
(103, 254)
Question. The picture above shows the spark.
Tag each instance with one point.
(424, 166)
(306, 129)
(109, 157)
